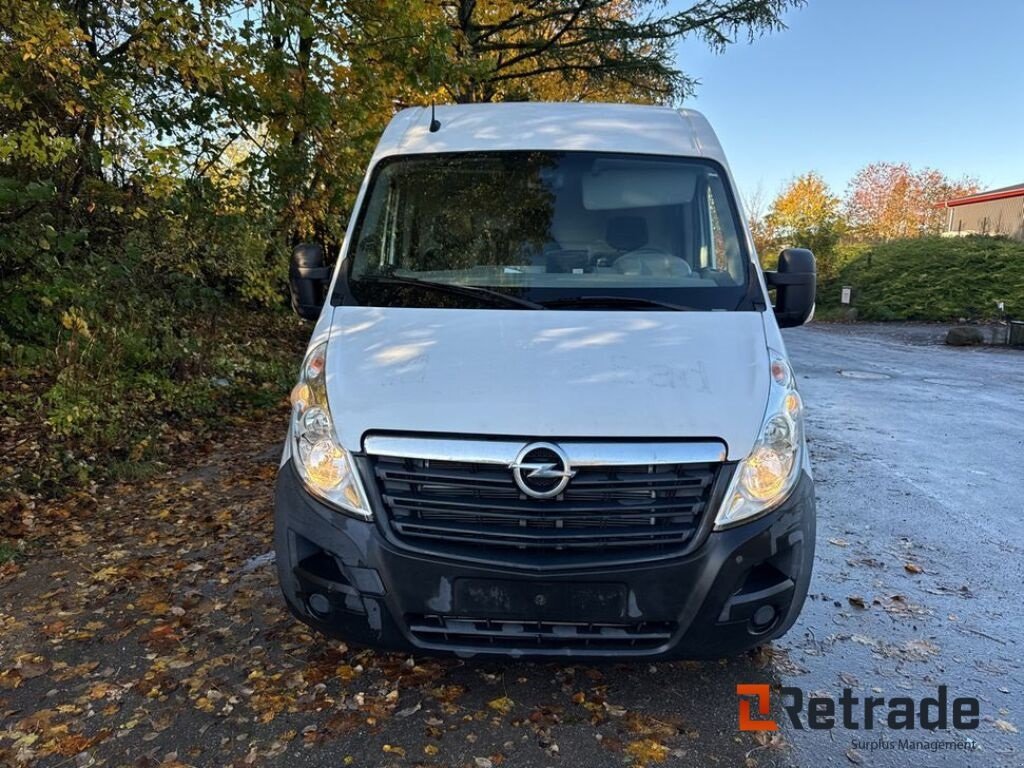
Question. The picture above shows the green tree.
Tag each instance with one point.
(287, 97)
(614, 50)
(97, 100)
(88, 86)
(324, 77)
(319, 80)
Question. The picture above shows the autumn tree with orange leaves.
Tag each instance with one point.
(887, 201)
(806, 214)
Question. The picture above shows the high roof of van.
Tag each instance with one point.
(627, 128)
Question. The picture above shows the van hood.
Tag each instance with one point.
(548, 374)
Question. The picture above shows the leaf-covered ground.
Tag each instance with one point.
(146, 629)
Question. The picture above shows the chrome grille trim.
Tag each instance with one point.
(580, 453)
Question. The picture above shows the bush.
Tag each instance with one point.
(936, 279)
(121, 378)
(127, 318)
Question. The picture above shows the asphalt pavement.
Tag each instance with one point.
(918, 451)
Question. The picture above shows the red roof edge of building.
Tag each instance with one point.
(984, 197)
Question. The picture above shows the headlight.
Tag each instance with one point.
(765, 478)
(324, 466)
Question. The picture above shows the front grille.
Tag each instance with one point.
(501, 634)
(466, 508)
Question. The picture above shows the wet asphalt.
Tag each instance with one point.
(918, 451)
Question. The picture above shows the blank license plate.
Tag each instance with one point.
(528, 600)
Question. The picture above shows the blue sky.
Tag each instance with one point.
(929, 82)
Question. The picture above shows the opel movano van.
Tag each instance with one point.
(546, 409)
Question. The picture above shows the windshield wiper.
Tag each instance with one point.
(463, 290)
(603, 301)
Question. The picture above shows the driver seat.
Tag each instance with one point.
(626, 233)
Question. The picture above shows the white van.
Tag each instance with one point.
(546, 407)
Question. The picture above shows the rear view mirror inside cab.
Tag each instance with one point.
(613, 185)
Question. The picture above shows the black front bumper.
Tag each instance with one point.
(741, 587)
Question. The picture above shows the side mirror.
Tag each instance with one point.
(794, 283)
(308, 279)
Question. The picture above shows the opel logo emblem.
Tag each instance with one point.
(542, 470)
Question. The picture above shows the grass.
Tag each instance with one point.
(930, 279)
(8, 553)
(126, 470)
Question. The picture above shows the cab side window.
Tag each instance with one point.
(720, 247)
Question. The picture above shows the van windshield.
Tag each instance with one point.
(549, 230)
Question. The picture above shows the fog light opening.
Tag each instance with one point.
(764, 619)
(319, 604)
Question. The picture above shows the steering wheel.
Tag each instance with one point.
(651, 261)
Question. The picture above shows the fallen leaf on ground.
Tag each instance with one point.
(409, 711)
(503, 705)
(647, 751)
(614, 710)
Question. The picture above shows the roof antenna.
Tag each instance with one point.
(435, 124)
